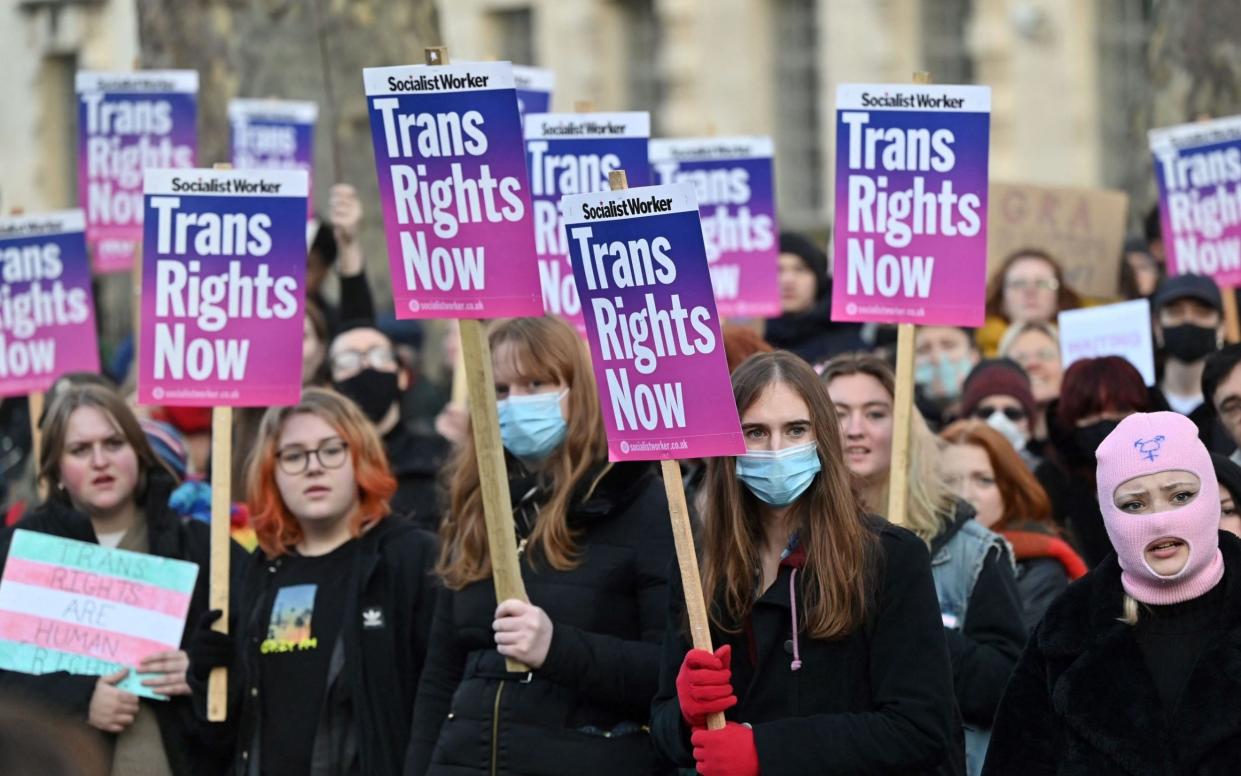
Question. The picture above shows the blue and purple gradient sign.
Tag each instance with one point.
(572, 153)
(128, 122)
(452, 182)
(275, 135)
(1198, 172)
(734, 183)
(641, 269)
(223, 288)
(911, 204)
(47, 316)
(534, 89)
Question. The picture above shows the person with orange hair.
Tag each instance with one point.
(335, 607)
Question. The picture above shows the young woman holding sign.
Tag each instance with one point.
(106, 486)
(830, 657)
(595, 548)
(979, 603)
(334, 607)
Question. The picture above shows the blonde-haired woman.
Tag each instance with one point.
(971, 566)
(595, 548)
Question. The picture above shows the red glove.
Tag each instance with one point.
(703, 684)
(727, 752)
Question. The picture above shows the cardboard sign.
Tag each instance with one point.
(128, 122)
(47, 315)
(77, 607)
(534, 89)
(572, 153)
(1122, 329)
(223, 288)
(734, 185)
(452, 181)
(275, 135)
(641, 268)
(1198, 172)
(911, 204)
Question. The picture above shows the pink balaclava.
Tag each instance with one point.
(1147, 443)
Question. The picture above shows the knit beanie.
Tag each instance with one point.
(997, 378)
(1148, 443)
(811, 255)
(167, 443)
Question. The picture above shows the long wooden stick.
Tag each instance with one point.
(34, 405)
(1232, 323)
(329, 93)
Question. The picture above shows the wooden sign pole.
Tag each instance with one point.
(492, 472)
(1232, 323)
(682, 534)
(902, 408)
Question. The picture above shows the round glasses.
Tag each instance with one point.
(295, 460)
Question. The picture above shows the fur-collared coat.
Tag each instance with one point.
(1082, 701)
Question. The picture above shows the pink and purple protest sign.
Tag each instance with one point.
(572, 153)
(275, 135)
(452, 182)
(534, 89)
(641, 269)
(911, 204)
(47, 315)
(223, 288)
(1198, 172)
(734, 183)
(128, 122)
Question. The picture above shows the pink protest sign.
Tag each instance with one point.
(452, 183)
(734, 183)
(128, 122)
(641, 269)
(223, 288)
(911, 204)
(274, 135)
(1198, 172)
(47, 316)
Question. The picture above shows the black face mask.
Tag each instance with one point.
(373, 391)
(1189, 342)
(1088, 438)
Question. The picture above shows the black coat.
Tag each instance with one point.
(1082, 701)
(585, 709)
(189, 743)
(416, 459)
(878, 701)
(812, 334)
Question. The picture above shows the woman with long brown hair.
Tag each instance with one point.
(1028, 287)
(831, 656)
(595, 546)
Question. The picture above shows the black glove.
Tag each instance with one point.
(208, 648)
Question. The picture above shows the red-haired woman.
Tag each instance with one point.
(984, 471)
(335, 607)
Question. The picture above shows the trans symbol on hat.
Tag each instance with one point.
(1149, 448)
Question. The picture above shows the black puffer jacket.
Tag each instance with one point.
(585, 710)
(190, 745)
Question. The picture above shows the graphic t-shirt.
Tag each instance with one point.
(302, 630)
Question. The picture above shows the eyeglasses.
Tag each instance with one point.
(295, 460)
(1042, 284)
(351, 361)
(983, 412)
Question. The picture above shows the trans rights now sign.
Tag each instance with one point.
(911, 204)
(275, 135)
(641, 270)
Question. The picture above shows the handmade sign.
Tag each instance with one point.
(641, 269)
(275, 135)
(47, 315)
(128, 122)
(572, 153)
(77, 607)
(1083, 229)
(452, 182)
(223, 288)
(911, 204)
(1122, 329)
(1198, 173)
(733, 181)
(534, 89)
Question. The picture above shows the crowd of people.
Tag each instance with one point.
(1072, 527)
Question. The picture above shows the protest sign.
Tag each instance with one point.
(77, 607)
(223, 288)
(534, 89)
(1083, 229)
(275, 135)
(1122, 329)
(911, 204)
(452, 182)
(733, 182)
(47, 316)
(572, 153)
(641, 269)
(128, 122)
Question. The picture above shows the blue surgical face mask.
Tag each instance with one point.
(532, 426)
(942, 377)
(779, 477)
